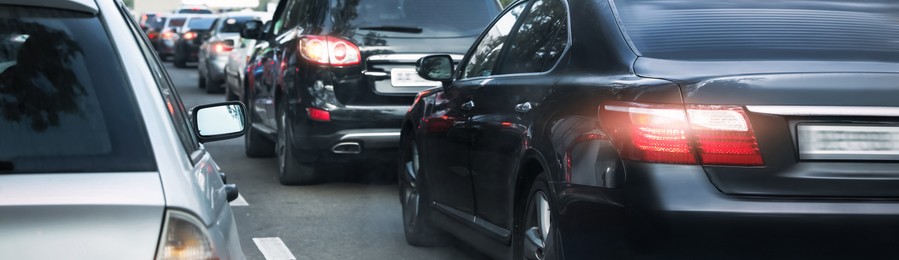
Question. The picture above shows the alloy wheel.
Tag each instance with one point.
(537, 227)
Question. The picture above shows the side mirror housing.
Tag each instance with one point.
(219, 121)
(436, 68)
(252, 30)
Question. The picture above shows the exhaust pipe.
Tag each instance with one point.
(347, 148)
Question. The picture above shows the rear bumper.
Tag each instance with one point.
(354, 133)
(673, 211)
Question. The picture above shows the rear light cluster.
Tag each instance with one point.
(691, 134)
(190, 35)
(327, 50)
(221, 47)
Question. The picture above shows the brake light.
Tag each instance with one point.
(327, 50)
(152, 35)
(320, 115)
(190, 35)
(168, 35)
(712, 135)
(222, 47)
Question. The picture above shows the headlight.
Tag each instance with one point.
(184, 237)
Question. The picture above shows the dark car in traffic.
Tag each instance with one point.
(187, 45)
(215, 50)
(631, 129)
(338, 76)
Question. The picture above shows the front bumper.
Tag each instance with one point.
(674, 212)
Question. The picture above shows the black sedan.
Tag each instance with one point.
(187, 45)
(664, 129)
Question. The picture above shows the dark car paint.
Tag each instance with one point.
(345, 92)
(479, 164)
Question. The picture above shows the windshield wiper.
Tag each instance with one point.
(392, 28)
(6, 166)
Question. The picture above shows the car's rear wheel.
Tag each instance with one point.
(180, 59)
(414, 198)
(201, 80)
(290, 171)
(256, 145)
(534, 238)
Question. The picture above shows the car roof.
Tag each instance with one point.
(88, 6)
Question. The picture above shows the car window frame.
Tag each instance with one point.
(514, 35)
(192, 148)
(460, 71)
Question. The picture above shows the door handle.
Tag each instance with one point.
(524, 107)
(468, 105)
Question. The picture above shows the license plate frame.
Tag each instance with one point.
(847, 142)
(408, 78)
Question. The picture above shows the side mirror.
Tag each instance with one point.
(436, 68)
(219, 121)
(252, 30)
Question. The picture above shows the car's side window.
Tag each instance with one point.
(483, 58)
(288, 18)
(213, 30)
(175, 108)
(540, 40)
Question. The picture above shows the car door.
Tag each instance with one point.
(449, 132)
(266, 86)
(504, 117)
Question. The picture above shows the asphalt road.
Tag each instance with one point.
(338, 220)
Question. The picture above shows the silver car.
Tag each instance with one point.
(99, 159)
(214, 53)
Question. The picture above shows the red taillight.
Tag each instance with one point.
(152, 35)
(168, 35)
(318, 114)
(326, 50)
(190, 35)
(222, 47)
(716, 135)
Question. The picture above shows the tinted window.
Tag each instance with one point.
(233, 24)
(540, 39)
(194, 11)
(177, 22)
(436, 18)
(481, 62)
(200, 23)
(157, 23)
(786, 29)
(65, 104)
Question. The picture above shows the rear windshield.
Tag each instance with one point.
(200, 23)
(783, 29)
(435, 18)
(157, 22)
(194, 11)
(65, 105)
(177, 22)
(233, 24)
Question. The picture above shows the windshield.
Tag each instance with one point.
(177, 22)
(787, 29)
(64, 103)
(234, 24)
(435, 18)
(200, 23)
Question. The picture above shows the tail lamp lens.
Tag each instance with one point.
(320, 115)
(711, 135)
(327, 50)
(184, 237)
(190, 35)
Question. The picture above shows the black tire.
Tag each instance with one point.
(201, 80)
(229, 94)
(256, 145)
(213, 87)
(414, 198)
(290, 171)
(529, 228)
(179, 60)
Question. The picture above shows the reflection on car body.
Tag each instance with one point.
(98, 157)
(654, 129)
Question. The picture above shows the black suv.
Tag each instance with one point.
(338, 76)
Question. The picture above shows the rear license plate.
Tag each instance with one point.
(404, 78)
(831, 142)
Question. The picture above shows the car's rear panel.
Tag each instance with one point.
(80, 216)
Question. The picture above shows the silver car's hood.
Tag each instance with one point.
(80, 216)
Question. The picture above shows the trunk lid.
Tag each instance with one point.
(846, 110)
(80, 216)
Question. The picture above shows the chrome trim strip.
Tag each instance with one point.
(406, 58)
(369, 135)
(825, 110)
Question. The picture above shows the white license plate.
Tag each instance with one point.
(404, 78)
(823, 142)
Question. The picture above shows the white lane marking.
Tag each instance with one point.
(273, 248)
(239, 201)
